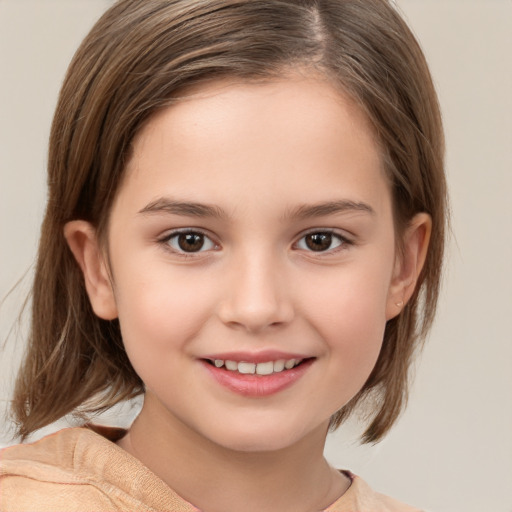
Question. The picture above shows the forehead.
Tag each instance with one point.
(297, 135)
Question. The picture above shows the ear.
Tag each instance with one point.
(83, 242)
(409, 263)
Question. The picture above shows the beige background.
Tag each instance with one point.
(452, 450)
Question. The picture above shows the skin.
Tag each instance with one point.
(259, 154)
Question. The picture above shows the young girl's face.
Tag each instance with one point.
(252, 256)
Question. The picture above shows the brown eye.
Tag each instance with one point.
(190, 242)
(321, 241)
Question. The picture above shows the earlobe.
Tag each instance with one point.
(83, 242)
(409, 263)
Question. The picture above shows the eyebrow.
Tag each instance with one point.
(305, 211)
(186, 208)
(308, 211)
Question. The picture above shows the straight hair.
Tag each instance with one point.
(134, 62)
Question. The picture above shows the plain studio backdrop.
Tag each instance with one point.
(452, 449)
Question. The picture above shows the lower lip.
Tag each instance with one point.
(257, 385)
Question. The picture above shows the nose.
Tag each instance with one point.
(256, 296)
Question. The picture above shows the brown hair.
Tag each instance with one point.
(132, 63)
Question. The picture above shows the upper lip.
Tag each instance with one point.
(255, 357)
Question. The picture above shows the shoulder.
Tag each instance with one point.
(78, 469)
(360, 497)
(45, 474)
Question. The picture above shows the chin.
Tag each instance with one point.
(257, 444)
(264, 438)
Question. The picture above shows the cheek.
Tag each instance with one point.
(350, 316)
(355, 298)
(355, 334)
(159, 312)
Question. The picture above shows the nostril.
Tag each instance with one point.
(253, 318)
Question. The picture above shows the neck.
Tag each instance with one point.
(217, 479)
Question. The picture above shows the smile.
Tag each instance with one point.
(263, 368)
(263, 375)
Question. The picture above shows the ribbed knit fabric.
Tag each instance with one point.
(83, 470)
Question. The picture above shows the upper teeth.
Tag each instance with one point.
(266, 368)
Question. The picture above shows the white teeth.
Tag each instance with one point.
(266, 368)
(290, 364)
(246, 367)
(231, 365)
(279, 366)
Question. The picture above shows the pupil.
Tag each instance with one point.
(319, 241)
(191, 242)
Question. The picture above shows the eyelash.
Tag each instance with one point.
(166, 242)
(343, 244)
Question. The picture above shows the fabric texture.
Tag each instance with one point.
(83, 470)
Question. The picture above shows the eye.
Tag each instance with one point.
(189, 242)
(321, 241)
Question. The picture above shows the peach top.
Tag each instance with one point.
(81, 469)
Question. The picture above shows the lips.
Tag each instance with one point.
(257, 375)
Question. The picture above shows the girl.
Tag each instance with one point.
(245, 223)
